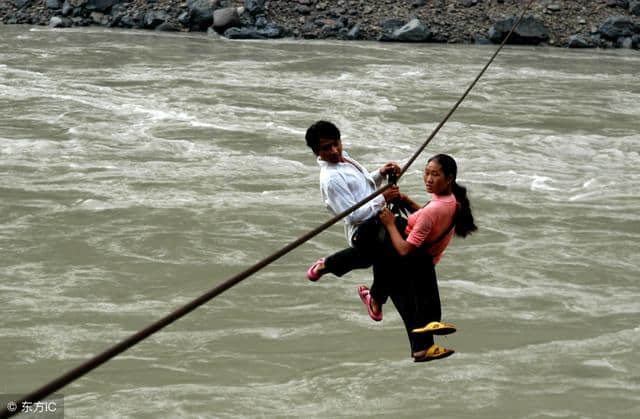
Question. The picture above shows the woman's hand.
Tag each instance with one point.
(387, 217)
(402, 247)
(410, 204)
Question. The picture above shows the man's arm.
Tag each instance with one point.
(380, 174)
(339, 198)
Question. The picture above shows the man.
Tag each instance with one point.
(343, 183)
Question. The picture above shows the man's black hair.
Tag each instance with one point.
(321, 129)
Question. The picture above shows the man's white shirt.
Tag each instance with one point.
(343, 185)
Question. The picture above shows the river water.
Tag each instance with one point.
(141, 169)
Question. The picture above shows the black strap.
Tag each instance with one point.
(448, 230)
(444, 234)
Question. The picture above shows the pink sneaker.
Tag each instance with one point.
(365, 296)
(312, 272)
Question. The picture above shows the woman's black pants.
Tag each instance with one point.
(410, 282)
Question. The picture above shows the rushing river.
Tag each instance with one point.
(140, 169)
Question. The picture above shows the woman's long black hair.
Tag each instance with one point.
(464, 218)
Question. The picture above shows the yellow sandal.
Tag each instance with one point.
(434, 352)
(436, 328)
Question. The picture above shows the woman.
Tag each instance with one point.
(407, 273)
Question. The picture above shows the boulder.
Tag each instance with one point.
(617, 27)
(118, 9)
(226, 18)
(600, 42)
(579, 41)
(243, 33)
(480, 39)
(254, 7)
(200, 14)
(530, 31)
(100, 5)
(99, 18)
(67, 8)
(154, 19)
(21, 4)
(183, 18)
(133, 21)
(414, 31)
(634, 7)
(354, 32)
(55, 4)
(303, 9)
(392, 24)
(270, 31)
(273, 31)
(167, 27)
(60, 22)
(260, 22)
(625, 42)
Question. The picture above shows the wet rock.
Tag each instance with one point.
(100, 5)
(154, 19)
(21, 4)
(303, 10)
(617, 3)
(616, 27)
(118, 10)
(624, 42)
(183, 18)
(135, 21)
(67, 8)
(260, 22)
(579, 41)
(392, 24)
(601, 42)
(634, 7)
(55, 4)
(200, 14)
(414, 31)
(270, 31)
(530, 31)
(60, 22)
(226, 18)
(354, 32)
(481, 40)
(99, 18)
(254, 7)
(167, 27)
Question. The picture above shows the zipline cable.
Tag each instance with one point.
(56, 384)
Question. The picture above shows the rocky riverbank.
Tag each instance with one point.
(588, 23)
